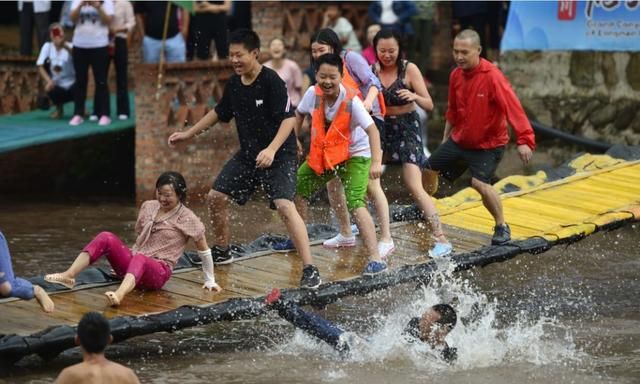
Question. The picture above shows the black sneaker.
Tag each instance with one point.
(310, 277)
(501, 234)
(221, 255)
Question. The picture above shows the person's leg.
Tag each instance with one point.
(296, 228)
(99, 64)
(176, 49)
(338, 203)
(42, 27)
(121, 59)
(377, 195)
(413, 180)
(104, 244)
(81, 66)
(26, 29)
(203, 36)
(306, 184)
(150, 50)
(490, 199)
(220, 36)
(354, 174)
(57, 95)
(218, 204)
(142, 271)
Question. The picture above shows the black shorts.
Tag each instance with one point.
(239, 178)
(451, 161)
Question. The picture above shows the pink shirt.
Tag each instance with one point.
(370, 55)
(291, 73)
(168, 238)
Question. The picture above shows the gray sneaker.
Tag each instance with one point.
(310, 277)
(501, 234)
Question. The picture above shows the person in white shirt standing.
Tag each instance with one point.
(342, 27)
(90, 48)
(121, 26)
(59, 83)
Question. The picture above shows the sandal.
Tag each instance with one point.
(112, 298)
(58, 278)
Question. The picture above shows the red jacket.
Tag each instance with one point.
(480, 103)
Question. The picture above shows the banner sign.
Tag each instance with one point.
(600, 25)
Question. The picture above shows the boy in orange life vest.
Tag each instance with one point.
(345, 143)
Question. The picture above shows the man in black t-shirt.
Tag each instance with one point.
(257, 98)
(150, 17)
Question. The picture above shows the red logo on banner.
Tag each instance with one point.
(566, 10)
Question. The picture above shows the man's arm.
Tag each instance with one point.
(376, 152)
(208, 120)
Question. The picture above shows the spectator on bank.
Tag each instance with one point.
(393, 14)
(90, 49)
(150, 17)
(288, 70)
(209, 23)
(121, 27)
(61, 77)
(420, 43)
(65, 16)
(342, 27)
(369, 53)
(472, 15)
(33, 12)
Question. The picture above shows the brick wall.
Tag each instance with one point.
(186, 94)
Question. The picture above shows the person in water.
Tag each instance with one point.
(431, 327)
(164, 227)
(12, 286)
(93, 336)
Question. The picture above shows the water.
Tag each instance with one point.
(570, 315)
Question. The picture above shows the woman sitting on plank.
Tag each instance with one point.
(164, 227)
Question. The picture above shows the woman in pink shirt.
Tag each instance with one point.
(288, 70)
(164, 227)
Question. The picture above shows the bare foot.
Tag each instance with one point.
(112, 298)
(43, 299)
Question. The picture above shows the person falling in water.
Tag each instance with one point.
(257, 98)
(93, 336)
(164, 227)
(11, 286)
(345, 143)
(431, 327)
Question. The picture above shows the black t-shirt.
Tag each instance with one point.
(258, 108)
(154, 13)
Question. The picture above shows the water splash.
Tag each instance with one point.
(481, 340)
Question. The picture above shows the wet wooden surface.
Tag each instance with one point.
(252, 277)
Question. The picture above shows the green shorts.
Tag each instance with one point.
(354, 174)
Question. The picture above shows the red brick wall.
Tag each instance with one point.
(185, 95)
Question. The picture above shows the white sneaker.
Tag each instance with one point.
(340, 241)
(123, 117)
(385, 249)
(93, 118)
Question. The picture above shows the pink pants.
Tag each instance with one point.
(149, 273)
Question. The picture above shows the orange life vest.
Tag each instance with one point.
(330, 146)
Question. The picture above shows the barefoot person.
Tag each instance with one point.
(257, 98)
(481, 101)
(345, 144)
(164, 227)
(403, 88)
(93, 336)
(11, 286)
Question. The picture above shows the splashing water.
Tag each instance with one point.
(479, 338)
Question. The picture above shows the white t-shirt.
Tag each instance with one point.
(387, 16)
(90, 32)
(60, 63)
(360, 119)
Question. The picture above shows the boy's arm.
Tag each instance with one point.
(376, 152)
(265, 157)
(208, 120)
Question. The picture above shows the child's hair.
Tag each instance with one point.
(330, 59)
(93, 332)
(175, 180)
(246, 37)
(327, 36)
